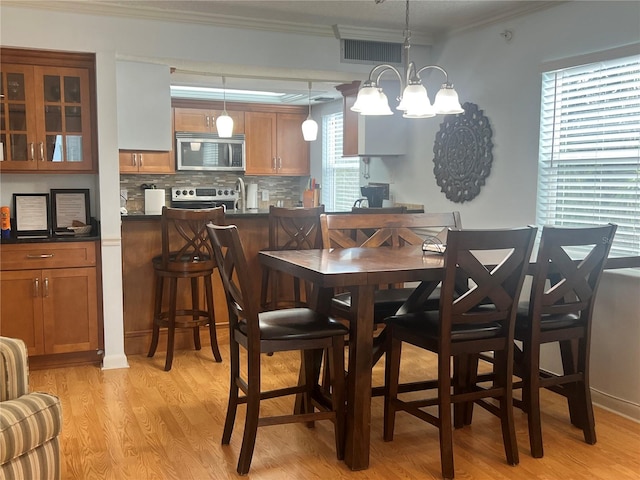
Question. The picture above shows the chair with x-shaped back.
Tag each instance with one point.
(289, 229)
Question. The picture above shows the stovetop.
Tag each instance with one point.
(207, 194)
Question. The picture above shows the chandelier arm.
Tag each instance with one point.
(381, 69)
(437, 67)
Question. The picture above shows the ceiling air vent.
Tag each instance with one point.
(364, 51)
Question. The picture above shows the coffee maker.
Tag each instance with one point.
(373, 194)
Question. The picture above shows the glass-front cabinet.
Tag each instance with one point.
(45, 115)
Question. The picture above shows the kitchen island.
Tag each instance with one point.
(141, 241)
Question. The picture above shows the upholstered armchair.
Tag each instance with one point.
(30, 423)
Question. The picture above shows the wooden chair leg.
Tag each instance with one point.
(171, 329)
(444, 414)
(506, 409)
(232, 406)
(195, 307)
(531, 398)
(251, 421)
(157, 309)
(460, 384)
(338, 393)
(213, 337)
(309, 382)
(579, 394)
(391, 380)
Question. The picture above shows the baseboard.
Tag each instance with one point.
(616, 405)
(110, 362)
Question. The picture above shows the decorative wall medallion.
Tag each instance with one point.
(463, 153)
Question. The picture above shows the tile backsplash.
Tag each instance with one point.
(285, 189)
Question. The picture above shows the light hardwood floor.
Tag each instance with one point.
(143, 423)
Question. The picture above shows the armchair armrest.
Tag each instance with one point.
(14, 369)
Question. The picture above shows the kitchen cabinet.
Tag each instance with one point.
(138, 161)
(203, 120)
(367, 135)
(274, 144)
(50, 299)
(47, 112)
(144, 106)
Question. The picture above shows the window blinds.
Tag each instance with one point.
(340, 175)
(589, 153)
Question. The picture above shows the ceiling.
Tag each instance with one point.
(382, 20)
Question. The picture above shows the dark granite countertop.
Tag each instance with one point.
(228, 214)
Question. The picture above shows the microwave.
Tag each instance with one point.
(208, 152)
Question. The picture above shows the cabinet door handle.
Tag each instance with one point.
(206, 120)
(42, 151)
(274, 163)
(42, 255)
(135, 159)
(36, 287)
(32, 151)
(140, 159)
(279, 162)
(46, 287)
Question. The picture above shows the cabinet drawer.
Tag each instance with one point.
(47, 255)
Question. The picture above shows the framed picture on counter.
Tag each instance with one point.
(68, 206)
(32, 214)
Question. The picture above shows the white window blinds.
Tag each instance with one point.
(589, 156)
(340, 175)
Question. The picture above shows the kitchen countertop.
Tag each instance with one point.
(228, 214)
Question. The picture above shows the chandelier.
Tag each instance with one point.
(414, 100)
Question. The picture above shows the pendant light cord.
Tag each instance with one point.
(309, 99)
(224, 95)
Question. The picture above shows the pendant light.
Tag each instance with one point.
(309, 126)
(224, 123)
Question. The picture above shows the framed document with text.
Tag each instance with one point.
(69, 206)
(32, 214)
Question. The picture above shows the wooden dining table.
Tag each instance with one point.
(361, 270)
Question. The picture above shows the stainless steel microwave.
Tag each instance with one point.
(208, 152)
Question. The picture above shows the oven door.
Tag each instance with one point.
(200, 204)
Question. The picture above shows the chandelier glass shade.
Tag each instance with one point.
(310, 126)
(414, 99)
(224, 123)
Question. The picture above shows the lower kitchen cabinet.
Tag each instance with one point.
(49, 296)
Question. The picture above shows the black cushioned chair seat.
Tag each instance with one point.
(427, 323)
(547, 322)
(295, 324)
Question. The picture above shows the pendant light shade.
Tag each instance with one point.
(309, 126)
(224, 123)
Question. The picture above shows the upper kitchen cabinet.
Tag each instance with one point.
(202, 120)
(144, 106)
(274, 144)
(367, 135)
(47, 111)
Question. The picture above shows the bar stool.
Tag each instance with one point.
(289, 229)
(186, 253)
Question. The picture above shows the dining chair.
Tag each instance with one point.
(376, 230)
(186, 254)
(267, 332)
(559, 311)
(481, 319)
(289, 229)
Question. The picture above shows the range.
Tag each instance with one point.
(203, 197)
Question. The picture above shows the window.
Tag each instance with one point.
(340, 175)
(589, 156)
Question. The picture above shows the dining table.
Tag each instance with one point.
(360, 271)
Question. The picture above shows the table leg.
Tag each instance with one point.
(358, 428)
